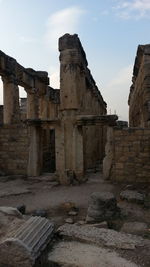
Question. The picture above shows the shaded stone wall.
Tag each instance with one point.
(14, 149)
(1, 114)
(139, 97)
(127, 155)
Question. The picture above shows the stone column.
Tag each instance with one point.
(43, 107)
(78, 150)
(32, 106)
(35, 151)
(11, 100)
(60, 153)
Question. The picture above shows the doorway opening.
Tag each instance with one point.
(49, 158)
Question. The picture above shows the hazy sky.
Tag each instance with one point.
(110, 31)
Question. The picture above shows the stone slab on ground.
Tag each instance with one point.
(76, 254)
(132, 196)
(102, 237)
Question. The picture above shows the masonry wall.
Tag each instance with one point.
(139, 97)
(127, 155)
(14, 146)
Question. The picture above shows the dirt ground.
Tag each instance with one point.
(44, 193)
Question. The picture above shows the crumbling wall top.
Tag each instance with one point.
(25, 77)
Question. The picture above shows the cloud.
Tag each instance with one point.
(61, 22)
(133, 9)
(117, 91)
(54, 79)
(28, 40)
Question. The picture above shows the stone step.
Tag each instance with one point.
(26, 244)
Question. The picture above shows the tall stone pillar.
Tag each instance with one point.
(32, 106)
(43, 107)
(11, 100)
(78, 157)
(60, 153)
(35, 151)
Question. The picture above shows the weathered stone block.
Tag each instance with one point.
(25, 245)
(102, 207)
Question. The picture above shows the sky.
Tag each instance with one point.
(110, 31)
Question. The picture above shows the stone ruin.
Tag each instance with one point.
(54, 129)
(67, 130)
(128, 149)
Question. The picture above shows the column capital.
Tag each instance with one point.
(9, 79)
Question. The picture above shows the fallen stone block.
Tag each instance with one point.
(23, 246)
(10, 211)
(102, 237)
(102, 207)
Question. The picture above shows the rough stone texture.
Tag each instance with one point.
(75, 254)
(132, 196)
(102, 206)
(23, 246)
(106, 237)
(139, 98)
(127, 155)
(134, 228)
(14, 143)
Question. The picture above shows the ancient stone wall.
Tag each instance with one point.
(79, 96)
(65, 127)
(14, 149)
(139, 98)
(1, 114)
(127, 155)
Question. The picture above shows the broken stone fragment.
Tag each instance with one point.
(11, 211)
(24, 245)
(69, 220)
(73, 213)
(102, 207)
(40, 212)
(132, 196)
